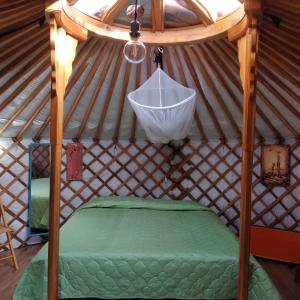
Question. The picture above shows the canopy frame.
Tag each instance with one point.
(64, 34)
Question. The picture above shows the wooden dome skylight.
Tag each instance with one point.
(164, 21)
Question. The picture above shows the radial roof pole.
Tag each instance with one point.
(63, 49)
(247, 51)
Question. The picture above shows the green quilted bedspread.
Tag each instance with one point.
(40, 194)
(125, 247)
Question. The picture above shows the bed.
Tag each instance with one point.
(40, 193)
(126, 247)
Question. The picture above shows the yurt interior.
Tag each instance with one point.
(150, 149)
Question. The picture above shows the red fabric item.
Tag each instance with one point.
(74, 161)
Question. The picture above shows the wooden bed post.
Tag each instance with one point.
(63, 50)
(247, 36)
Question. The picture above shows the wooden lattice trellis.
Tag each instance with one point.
(208, 172)
(40, 161)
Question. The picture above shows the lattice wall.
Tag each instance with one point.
(40, 161)
(206, 172)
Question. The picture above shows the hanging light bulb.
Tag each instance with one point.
(134, 50)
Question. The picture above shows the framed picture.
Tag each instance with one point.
(275, 165)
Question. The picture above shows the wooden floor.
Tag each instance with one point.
(282, 275)
(9, 276)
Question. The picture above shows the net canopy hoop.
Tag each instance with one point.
(164, 108)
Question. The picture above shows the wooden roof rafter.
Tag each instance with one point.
(109, 95)
(211, 54)
(40, 57)
(41, 130)
(134, 118)
(184, 82)
(279, 82)
(269, 54)
(225, 86)
(231, 60)
(26, 126)
(287, 42)
(287, 55)
(196, 80)
(138, 79)
(269, 87)
(216, 93)
(40, 70)
(122, 101)
(279, 115)
(14, 17)
(28, 53)
(25, 104)
(15, 45)
(96, 92)
(75, 75)
(87, 81)
(84, 56)
(12, 39)
(282, 77)
(278, 96)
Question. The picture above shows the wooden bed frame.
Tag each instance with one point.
(278, 245)
(64, 37)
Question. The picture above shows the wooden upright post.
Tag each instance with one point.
(247, 47)
(63, 48)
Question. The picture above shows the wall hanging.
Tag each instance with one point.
(74, 161)
(275, 164)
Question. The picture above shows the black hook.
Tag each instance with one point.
(158, 59)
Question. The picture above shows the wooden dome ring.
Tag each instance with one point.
(131, 11)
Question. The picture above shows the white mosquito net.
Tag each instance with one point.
(164, 108)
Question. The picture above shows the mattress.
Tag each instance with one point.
(125, 247)
(40, 194)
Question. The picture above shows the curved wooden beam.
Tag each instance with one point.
(239, 30)
(113, 10)
(70, 18)
(201, 11)
(72, 28)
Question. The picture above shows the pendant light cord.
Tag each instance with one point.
(135, 10)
